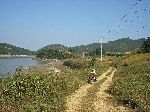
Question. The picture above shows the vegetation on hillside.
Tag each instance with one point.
(123, 45)
(44, 91)
(47, 53)
(132, 82)
(145, 48)
(120, 45)
(97, 52)
(13, 50)
(55, 47)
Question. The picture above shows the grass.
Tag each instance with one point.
(131, 85)
(43, 91)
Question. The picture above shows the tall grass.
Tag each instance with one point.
(132, 82)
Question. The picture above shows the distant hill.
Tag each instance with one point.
(55, 47)
(13, 50)
(120, 45)
(55, 51)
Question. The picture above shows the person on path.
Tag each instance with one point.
(93, 73)
(92, 77)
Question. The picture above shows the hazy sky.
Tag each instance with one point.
(28, 23)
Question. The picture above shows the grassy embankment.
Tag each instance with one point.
(131, 84)
(45, 91)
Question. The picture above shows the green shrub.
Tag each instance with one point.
(18, 70)
(76, 63)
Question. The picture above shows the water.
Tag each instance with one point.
(8, 65)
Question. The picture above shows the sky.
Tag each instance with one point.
(33, 24)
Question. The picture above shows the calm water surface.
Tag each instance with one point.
(8, 65)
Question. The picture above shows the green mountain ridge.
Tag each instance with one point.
(7, 49)
(120, 45)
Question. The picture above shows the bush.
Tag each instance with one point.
(72, 64)
(76, 63)
(18, 70)
(146, 46)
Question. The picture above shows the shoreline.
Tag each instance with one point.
(17, 56)
(44, 67)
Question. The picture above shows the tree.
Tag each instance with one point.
(71, 50)
(48, 53)
(96, 52)
(146, 46)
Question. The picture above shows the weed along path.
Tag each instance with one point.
(93, 98)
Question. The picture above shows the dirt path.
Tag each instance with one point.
(102, 103)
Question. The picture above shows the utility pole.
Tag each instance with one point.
(83, 54)
(101, 50)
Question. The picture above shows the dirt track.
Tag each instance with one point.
(102, 104)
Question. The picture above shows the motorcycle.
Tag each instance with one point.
(92, 79)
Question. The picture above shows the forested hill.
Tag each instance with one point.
(120, 45)
(55, 47)
(13, 50)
